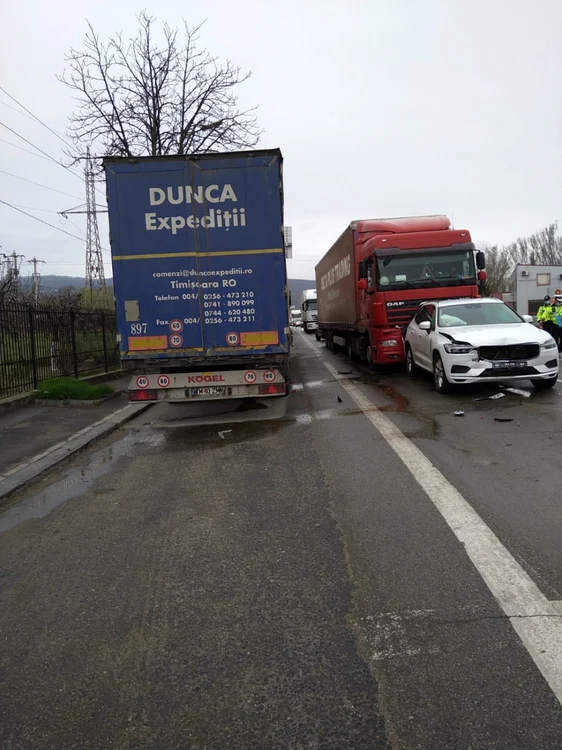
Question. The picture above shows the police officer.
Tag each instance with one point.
(557, 335)
(546, 317)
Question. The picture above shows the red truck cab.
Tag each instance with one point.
(373, 279)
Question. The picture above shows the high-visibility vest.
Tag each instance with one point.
(547, 313)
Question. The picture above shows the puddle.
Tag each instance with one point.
(77, 480)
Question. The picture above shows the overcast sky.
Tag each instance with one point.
(381, 108)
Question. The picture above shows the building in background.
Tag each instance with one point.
(531, 284)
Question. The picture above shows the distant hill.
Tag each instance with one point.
(296, 286)
(54, 283)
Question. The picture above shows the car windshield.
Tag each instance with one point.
(425, 270)
(474, 314)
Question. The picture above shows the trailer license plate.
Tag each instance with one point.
(209, 391)
(509, 365)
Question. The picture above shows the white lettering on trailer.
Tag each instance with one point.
(216, 218)
(157, 196)
(337, 273)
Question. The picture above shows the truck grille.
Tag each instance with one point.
(399, 314)
(511, 353)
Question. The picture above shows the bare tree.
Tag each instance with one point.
(499, 268)
(543, 248)
(143, 97)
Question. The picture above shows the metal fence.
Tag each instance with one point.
(36, 344)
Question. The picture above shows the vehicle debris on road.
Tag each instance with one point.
(459, 414)
(490, 398)
(503, 419)
(222, 433)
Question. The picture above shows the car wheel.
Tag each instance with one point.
(442, 385)
(542, 385)
(411, 367)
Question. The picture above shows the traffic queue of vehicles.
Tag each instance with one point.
(202, 296)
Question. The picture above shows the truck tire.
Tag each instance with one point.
(318, 336)
(349, 348)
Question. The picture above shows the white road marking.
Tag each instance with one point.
(537, 621)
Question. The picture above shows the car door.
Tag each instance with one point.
(425, 338)
(415, 334)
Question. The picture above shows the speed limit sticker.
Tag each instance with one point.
(250, 377)
(176, 326)
(163, 381)
(176, 340)
(269, 376)
(142, 382)
(232, 338)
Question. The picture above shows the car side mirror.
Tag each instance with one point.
(362, 285)
(425, 325)
(528, 318)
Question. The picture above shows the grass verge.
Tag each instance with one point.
(65, 389)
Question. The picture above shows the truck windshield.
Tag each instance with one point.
(426, 270)
(311, 304)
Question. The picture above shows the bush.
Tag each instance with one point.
(65, 389)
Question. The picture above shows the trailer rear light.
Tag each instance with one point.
(271, 388)
(145, 395)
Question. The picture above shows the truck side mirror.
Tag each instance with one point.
(480, 260)
(363, 269)
(362, 285)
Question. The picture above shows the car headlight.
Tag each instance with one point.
(458, 348)
(549, 345)
(389, 342)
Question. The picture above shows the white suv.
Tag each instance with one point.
(479, 340)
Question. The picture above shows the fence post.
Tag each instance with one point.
(73, 339)
(33, 348)
(104, 342)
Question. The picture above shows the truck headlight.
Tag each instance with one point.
(389, 342)
(458, 348)
(548, 345)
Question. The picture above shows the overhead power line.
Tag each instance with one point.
(52, 158)
(38, 184)
(37, 119)
(54, 132)
(53, 226)
(21, 148)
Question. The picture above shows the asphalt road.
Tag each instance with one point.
(287, 583)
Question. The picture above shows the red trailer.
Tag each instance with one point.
(374, 277)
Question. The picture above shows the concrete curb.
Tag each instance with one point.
(29, 471)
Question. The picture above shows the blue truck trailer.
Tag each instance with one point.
(199, 274)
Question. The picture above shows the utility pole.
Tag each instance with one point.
(12, 265)
(36, 278)
(95, 276)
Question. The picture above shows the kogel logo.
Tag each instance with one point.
(205, 379)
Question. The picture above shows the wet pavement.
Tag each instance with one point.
(269, 576)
